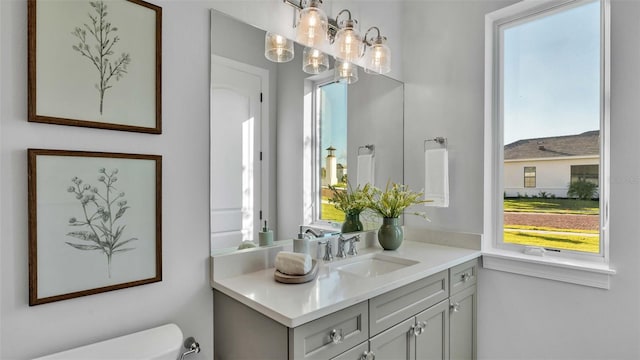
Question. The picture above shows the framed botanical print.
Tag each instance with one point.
(95, 222)
(95, 64)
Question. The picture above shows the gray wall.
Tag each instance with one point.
(522, 317)
(184, 296)
(375, 116)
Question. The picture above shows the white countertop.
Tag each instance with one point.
(296, 304)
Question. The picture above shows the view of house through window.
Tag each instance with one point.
(331, 103)
(550, 106)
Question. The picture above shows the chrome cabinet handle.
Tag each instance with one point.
(455, 307)
(368, 355)
(466, 277)
(418, 329)
(335, 336)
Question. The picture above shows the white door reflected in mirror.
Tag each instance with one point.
(235, 152)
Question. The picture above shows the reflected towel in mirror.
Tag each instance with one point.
(366, 169)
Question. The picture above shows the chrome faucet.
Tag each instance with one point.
(305, 230)
(328, 252)
(352, 247)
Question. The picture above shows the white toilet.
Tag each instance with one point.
(160, 343)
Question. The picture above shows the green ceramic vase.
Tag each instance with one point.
(351, 223)
(390, 234)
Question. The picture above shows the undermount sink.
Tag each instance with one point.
(374, 265)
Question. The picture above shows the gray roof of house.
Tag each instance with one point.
(587, 143)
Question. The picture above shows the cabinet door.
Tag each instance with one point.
(462, 322)
(396, 343)
(433, 341)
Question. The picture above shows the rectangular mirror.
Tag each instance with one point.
(279, 136)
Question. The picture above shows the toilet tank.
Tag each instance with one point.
(160, 343)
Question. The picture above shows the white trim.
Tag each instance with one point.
(575, 267)
(560, 269)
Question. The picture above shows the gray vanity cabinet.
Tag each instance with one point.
(462, 322)
(422, 337)
(432, 339)
(463, 311)
(432, 318)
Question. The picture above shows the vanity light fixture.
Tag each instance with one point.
(278, 48)
(348, 42)
(345, 72)
(314, 61)
(378, 59)
(313, 28)
(313, 25)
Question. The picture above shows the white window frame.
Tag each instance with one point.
(574, 267)
(312, 156)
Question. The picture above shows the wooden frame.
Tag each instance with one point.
(95, 222)
(63, 63)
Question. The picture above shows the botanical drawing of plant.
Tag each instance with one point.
(103, 34)
(103, 232)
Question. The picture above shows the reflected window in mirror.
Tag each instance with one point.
(330, 104)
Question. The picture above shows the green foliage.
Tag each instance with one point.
(392, 202)
(582, 189)
(349, 201)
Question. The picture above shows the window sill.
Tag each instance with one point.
(585, 273)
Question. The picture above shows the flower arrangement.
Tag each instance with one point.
(350, 202)
(392, 202)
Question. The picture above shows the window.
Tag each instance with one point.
(585, 173)
(529, 176)
(331, 142)
(547, 88)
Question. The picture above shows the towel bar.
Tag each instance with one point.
(370, 147)
(440, 140)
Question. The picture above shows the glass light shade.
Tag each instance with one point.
(348, 42)
(378, 59)
(277, 48)
(314, 61)
(345, 72)
(312, 26)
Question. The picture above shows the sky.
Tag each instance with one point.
(334, 126)
(552, 75)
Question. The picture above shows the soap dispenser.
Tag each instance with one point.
(265, 237)
(301, 244)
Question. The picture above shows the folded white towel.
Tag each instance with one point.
(436, 178)
(366, 169)
(291, 263)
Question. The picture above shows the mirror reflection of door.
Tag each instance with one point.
(235, 159)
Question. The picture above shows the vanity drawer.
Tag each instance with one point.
(349, 327)
(462, 276)
(395, 306)
(354, 354)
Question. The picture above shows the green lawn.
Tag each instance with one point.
(552, 206)
(550, 237)
(588, 243)
(330, 213)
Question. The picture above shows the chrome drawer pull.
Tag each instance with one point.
(466, 277)
(368, 355)
(336, 336)
(455, 307)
